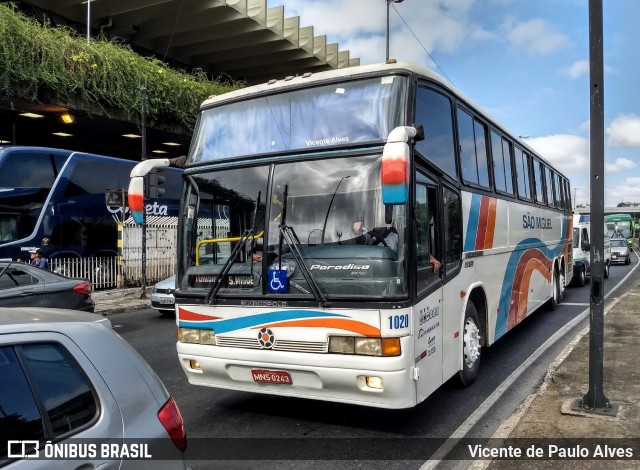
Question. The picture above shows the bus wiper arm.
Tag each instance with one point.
(217, 284)
(290, 237)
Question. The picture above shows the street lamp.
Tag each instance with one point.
(388, 3)
(88, 21)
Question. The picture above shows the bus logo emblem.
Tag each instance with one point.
(266, 338)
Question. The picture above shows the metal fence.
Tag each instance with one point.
(109, 273)
(102, 272)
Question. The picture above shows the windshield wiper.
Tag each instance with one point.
(217, 284)
(289, 236)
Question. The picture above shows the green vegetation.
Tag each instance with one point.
(36, 58)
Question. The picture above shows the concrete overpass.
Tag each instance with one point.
(243, 39)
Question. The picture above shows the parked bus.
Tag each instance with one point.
(620, 226)
(55, 200)
(401, 230)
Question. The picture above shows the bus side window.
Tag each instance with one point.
(452, 230)
(425, 238)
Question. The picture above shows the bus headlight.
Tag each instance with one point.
(364, 346)
(196, 336)
(368, 346)
(341, 344)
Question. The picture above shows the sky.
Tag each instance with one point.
(524, 62)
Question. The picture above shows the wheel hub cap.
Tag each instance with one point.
(471, 343)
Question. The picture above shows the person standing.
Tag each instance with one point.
(38, 260)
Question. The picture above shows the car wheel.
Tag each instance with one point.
(471, 346)
(168, 313)
(628, 260)
(606, 271)
(582, 278)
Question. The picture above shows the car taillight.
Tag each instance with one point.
(170, 417)
(84, 288)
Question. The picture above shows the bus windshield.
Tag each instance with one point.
(330, 115)
(352, 245)
(619, 229)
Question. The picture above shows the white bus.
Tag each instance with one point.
(401, 231)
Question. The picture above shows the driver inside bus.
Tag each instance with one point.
(378, 236)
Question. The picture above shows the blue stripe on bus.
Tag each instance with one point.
(224, 326)
(395, 193)
(472, 224)
(509, 276)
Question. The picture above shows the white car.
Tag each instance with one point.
(162, 296)
(65, 378)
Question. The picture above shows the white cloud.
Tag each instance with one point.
(577, 69)
(620, 164)
(580, 68)
(569, 153)
(360, 26)
(626, 191)
(536, 36)
(624, 131)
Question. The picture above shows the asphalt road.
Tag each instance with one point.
(229, 420)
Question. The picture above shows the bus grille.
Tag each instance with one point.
(281, 345)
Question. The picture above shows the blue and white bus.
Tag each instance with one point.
(55, 200)
(402, 231)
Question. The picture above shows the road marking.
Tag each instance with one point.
(479, 413)
(574, 304)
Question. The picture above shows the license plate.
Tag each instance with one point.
(271, 376)
(167, 301)
(240, 280)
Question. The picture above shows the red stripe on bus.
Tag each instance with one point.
(482, 223)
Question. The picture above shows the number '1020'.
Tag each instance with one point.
(397, 322)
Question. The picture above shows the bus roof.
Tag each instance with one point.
(310, 79)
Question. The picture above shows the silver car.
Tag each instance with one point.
(162, 296)
(620, 253)
(67, 378)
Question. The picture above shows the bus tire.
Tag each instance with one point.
(471, 346)
(581, 280)
(557, 291)
(605, 271)
(562, 284)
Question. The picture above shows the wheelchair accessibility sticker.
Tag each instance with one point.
(277, 280)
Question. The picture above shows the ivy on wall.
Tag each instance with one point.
(36, 58)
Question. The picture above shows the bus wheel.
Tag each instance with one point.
(555, 299)
(582, 278)
(471, 346)
(605, 273)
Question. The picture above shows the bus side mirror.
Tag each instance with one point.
(137, 186)
(136, 198)
(586, 246)
(394, 170)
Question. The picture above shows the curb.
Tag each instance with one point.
(509, 424)
(114, 294)
(120, 300)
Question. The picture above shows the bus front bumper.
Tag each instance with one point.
(321, 376)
